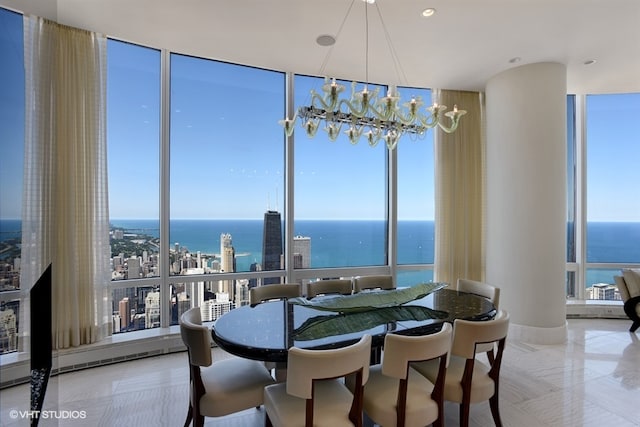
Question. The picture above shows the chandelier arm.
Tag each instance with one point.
(430, 121)
(327, 106)
(385, 113)
(410, 118)
(353, 109)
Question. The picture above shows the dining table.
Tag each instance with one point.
(267, 330)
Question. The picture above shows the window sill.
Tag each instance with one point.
(598, 309)
(15, 367)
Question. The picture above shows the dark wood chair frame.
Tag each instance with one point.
(630, 310)
(355, 413)
(494, 374)
(437, 394)
(197, 391)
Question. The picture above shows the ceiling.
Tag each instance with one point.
(462, 46)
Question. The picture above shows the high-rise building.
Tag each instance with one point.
(124, 310)
(253, 282)
(8, 331)
(214, 308)
(227, 263)
(302, 247)
(133, 268)
(603, 291)
(241, 292)
(152, 310)
(271, 244)
(118, 295)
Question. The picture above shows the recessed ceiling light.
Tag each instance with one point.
(589, 62)
(369, 1)
(428, 12)
(326, 40)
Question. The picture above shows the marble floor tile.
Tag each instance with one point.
(592, 379)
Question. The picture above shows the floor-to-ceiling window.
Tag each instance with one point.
(340, 193)
(612, 195)
(11, 169)
(572, 200)
(226, 180)
(133, 141)
(415, 200)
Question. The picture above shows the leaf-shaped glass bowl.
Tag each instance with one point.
(331, 325)
(368, 300)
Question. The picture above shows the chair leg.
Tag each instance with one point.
(495, 410)
(630, 310)
(189, 416)
(464, 415)
(198, 421)
(267, 420)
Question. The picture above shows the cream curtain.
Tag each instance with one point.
(65, 212)
(460, 192)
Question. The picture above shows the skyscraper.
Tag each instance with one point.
(124, 310)
(302, 247)
(271, 244)
(227, 263)
(255, 281)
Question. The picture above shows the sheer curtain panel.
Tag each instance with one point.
(460, 191)
(65, 212)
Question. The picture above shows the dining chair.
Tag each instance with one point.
(274, 292)
(469, 380)
(384, 281)
(396, 395)
(483, 289)
(315, 390)
(330, 286)
(492, 293)
(223, 387)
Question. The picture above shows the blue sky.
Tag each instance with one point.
(231, 165)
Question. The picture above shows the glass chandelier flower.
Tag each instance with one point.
(366, 114)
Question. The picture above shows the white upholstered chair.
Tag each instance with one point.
(384, 281)
(629, 287)
(313, 394)
(483, 289)
(468, 380)
(492, 293)
(219, 388)
(330, 286)
(396, 395)
(274, 292)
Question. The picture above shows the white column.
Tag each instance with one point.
(526, 198)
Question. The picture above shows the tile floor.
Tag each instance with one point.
(591, 380)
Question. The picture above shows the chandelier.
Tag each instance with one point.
(365, 113)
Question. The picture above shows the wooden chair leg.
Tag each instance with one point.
(189, 416)
(464, 415)
(630, 310)
(495, 410)
(198, 421)
(267, 420)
